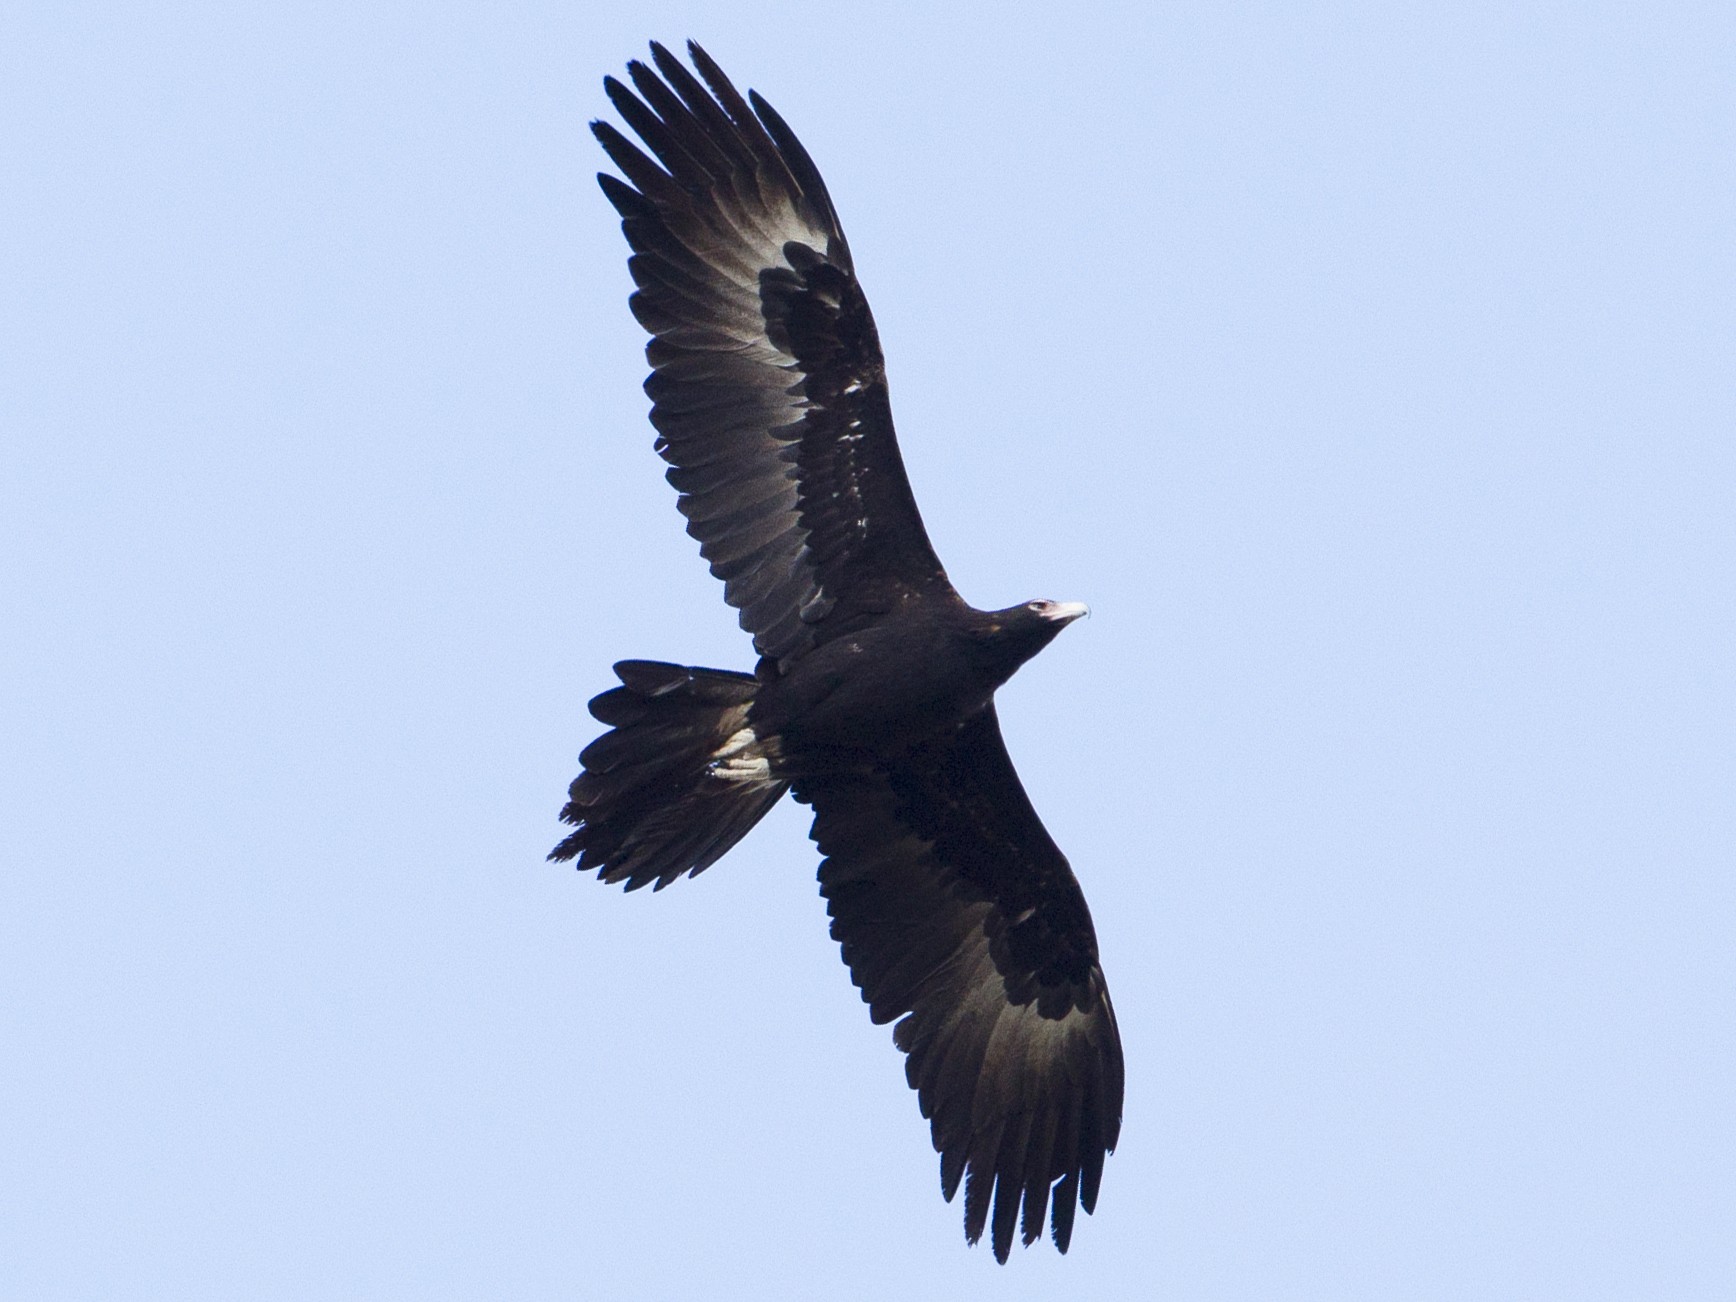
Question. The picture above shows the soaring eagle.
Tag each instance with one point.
(873, 698)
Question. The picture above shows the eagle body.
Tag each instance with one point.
(872, 701)
(921, 669)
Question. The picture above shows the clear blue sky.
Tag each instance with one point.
(1370, 369)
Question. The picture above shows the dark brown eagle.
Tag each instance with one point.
(873, 698)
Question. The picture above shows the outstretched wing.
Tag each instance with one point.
(768, 388)
(957, 913)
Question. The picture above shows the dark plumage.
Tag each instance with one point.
(873, 697)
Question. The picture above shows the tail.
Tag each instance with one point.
(679, 779)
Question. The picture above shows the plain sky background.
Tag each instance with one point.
(1370, 369)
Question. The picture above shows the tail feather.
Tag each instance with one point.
(679, 779)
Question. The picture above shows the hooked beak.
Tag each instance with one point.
(1065, 612)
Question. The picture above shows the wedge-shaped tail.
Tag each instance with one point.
(678, 779)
